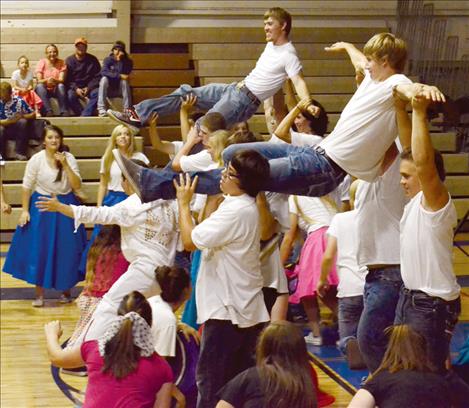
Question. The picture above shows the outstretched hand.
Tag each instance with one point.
(153, 119)
(50, 204)
(306, 105)
(337, 47)
(188, 102)
(399, 103)
(185, 189)
(429, 92)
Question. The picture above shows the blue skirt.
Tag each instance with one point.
(46, 251)
(112, 198)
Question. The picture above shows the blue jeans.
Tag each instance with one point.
(379, 300)
(113, 89)
(225, 351)
(350, 310)
(75, 105)
(293, 170)
(58, 92)
(432, 317)
(234, 105)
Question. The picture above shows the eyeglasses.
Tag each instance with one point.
(226, 174)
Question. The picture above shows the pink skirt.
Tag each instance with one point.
(308, 268)
(31, 98)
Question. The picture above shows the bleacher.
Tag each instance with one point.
(173, 49)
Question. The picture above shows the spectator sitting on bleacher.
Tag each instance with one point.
(83, 75)
(115, 77)
(23, 84)
(50, 74)
(15, 118)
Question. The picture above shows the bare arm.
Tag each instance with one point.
(290, 98)
(51, 204)
(267, 221)
(102, 189)
(327, 263)
(303, 93)
(65, 358)
(404, 125)
(192, 139)
(283, 129)
(25, 198)
(357, 58)
(362, 399)
(184, 192)
(289, 239)
(224, 404)
(156, 142)
(186, 106)
(163, 397)
(73, 178)
(434, 191)
(408, 91)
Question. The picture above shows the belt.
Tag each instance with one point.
(333, 164)
(241, 86)
(372, 268)
(418, 294)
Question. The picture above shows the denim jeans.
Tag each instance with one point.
(293, 170)
(112, 90)
(58, 92)
(379, 308)
(225, 351)
(227, 99)
(75, 105)
(350, 310)
(20, 132)
(432, 317)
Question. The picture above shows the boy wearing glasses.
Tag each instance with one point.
(229, 287)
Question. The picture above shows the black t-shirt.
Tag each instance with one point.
(244, 391)
(408, 388)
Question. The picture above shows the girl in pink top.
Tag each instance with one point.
(50, 74)
(23, 84)
(123, 368)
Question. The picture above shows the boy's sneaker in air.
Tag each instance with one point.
(127, 118)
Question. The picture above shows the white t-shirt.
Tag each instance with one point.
(177, 146)
(366, 128)
(342, 192)
(313, 212)
(299, 139)
(229, 284)
(380, 205)
(22, 82)
(148, 231)
(276, 63)
(351, 276)
(39, 175)
(278, 205)
(427, 249)
(201, 161)
(115, 173)
(163, 327)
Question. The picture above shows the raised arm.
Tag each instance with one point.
(290, 98)
(283, 129)
(357, 58)
(187, 105)
(408, 91)
(192, 139)
(73, 178)
(404, 125)
(434, 191)
(303, 93)
(156, 142)
(184, 192)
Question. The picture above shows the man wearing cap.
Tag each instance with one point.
(83, 75)
(115, 77)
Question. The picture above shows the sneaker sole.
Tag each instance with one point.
(120, 163)
(133, 128)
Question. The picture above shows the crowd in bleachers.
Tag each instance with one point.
(361, 216)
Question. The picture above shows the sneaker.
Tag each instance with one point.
(128, 118)
(102, 113)
(353, 355)
(38, 302)
(65, 299)
(315, 341)
(130, 170)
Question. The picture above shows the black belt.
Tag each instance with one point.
(418, 294)
(333, 164)
(245, 90)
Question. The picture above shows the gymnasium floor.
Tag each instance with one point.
(26, 379)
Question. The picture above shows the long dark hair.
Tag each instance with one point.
(62, 146)
(172, 281)
(284, 368)
(121, 356)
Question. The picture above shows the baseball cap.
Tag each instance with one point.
(81, 40)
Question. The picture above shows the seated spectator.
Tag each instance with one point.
(15, 121)
(115, 78)
(405, 378)
(23, 84)
(50, 74)
(83, 76)
(282, 377)
(123, 368)
(5, 208)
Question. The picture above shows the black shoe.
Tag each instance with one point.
(131, 171)
(354, 357)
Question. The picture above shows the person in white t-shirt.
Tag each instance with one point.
(149, 238)
(429, 301)
(229, 296)
(237, 102)
(342, 247)
(357, 145)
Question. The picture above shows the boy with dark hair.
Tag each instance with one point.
(229, 286)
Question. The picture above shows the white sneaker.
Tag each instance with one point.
(102, 113)
(311, 339)
(38, 302)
